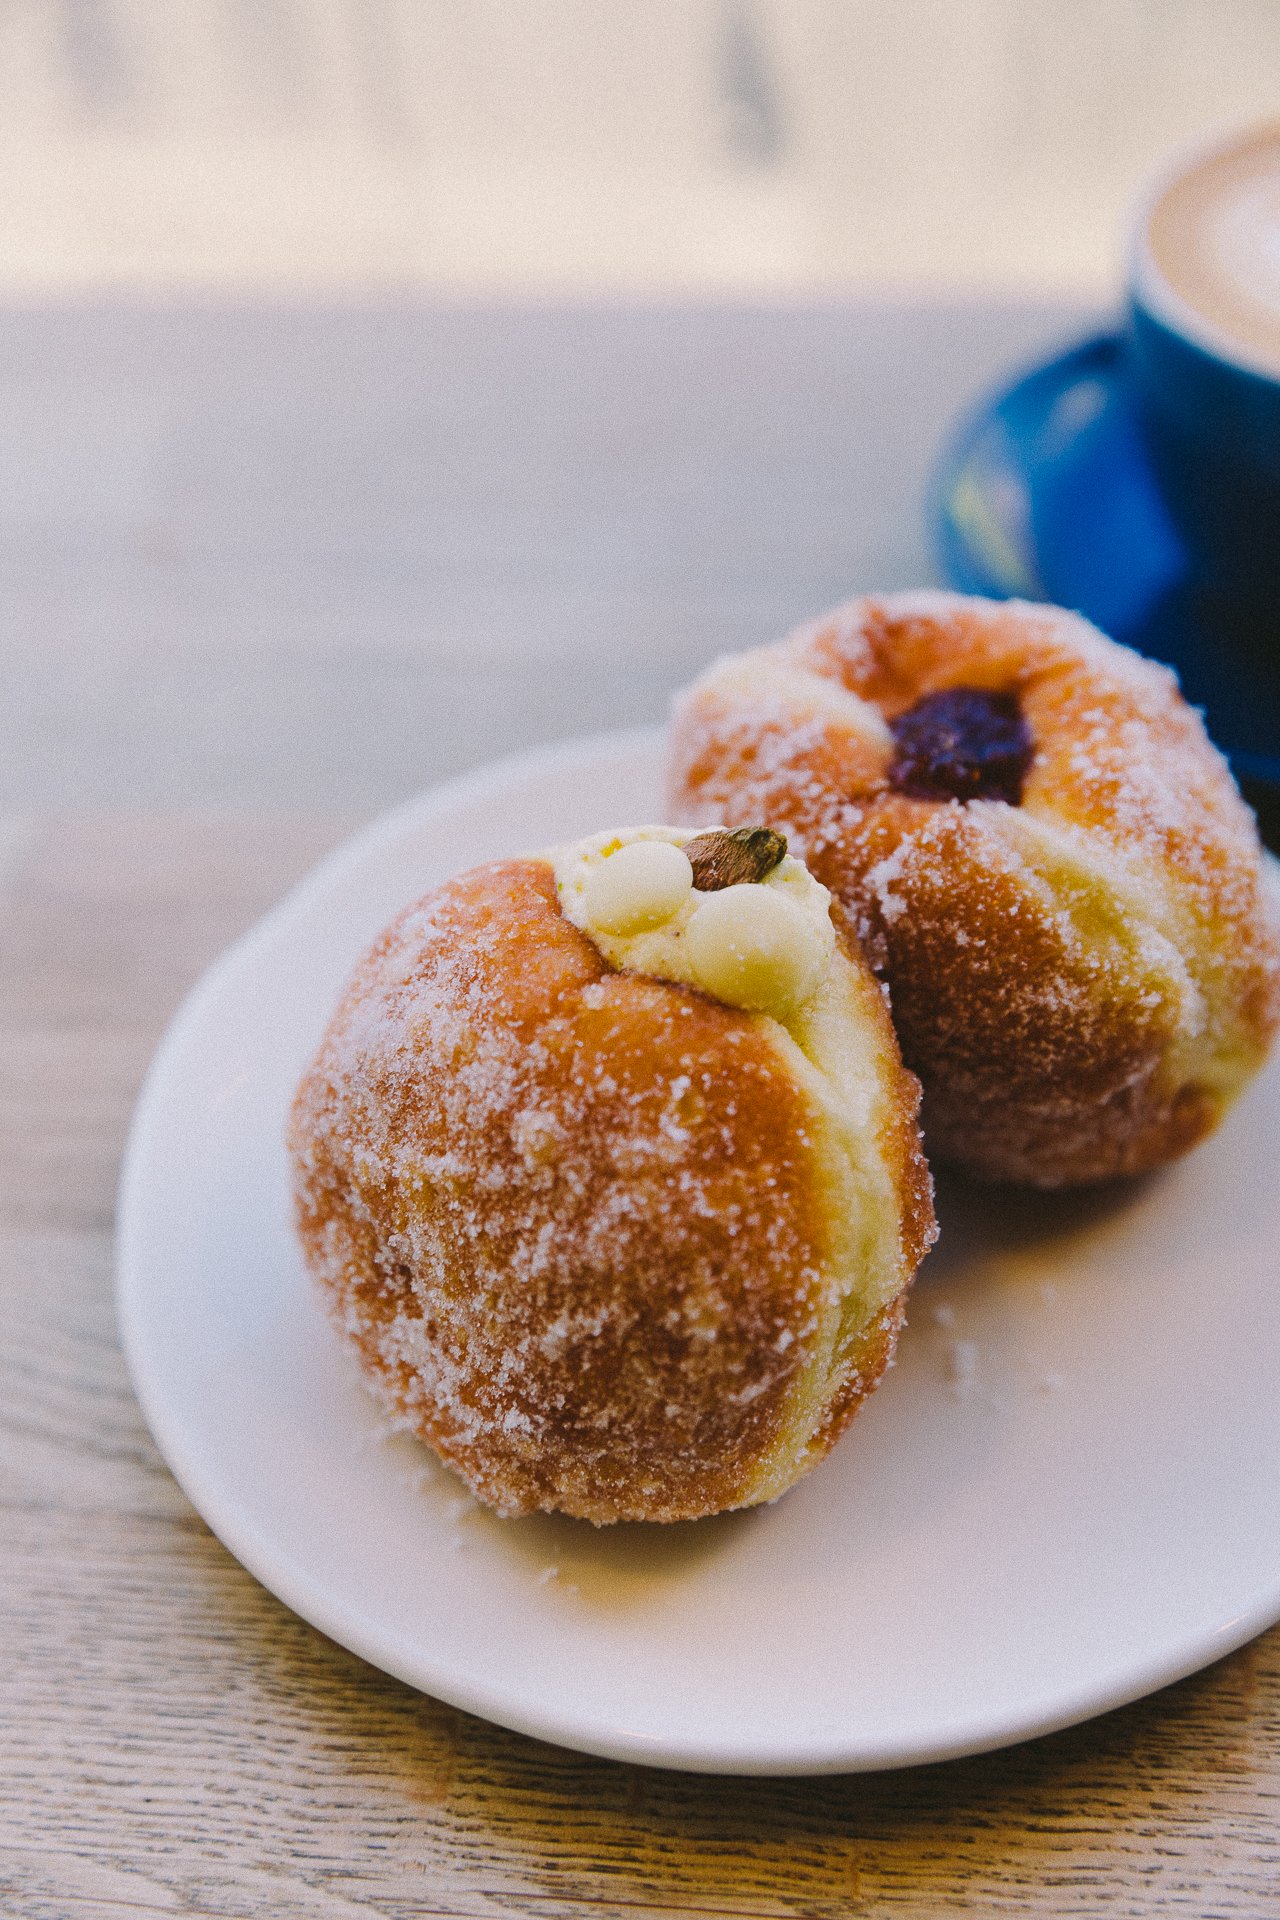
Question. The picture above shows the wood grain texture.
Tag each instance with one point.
(172, 1740)
(297, 558)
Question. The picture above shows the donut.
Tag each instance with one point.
(609, 1165)
(1041, 853)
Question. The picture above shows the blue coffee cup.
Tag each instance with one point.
(1205, 373)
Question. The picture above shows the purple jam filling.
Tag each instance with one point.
(961, 744)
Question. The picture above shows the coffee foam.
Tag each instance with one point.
(1213, 240)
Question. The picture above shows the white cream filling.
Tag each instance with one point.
(809, 1000)
(765, 946)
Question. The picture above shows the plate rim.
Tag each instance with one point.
(360, 1634)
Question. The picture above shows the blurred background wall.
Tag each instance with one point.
(543, 148)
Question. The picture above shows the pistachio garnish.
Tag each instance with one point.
(723, 859)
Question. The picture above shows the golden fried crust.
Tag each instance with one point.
(574, 1218)
(1082, 982)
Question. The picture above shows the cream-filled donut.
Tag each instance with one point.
(1041, 853)
(609, 1165)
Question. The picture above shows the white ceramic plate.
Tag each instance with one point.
(1066, 1494)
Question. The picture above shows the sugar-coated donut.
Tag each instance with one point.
(1041, 852)
(614, 1241)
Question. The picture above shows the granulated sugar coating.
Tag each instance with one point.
(1083, 980)
(608, 1245)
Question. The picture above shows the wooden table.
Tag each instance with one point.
(262, 574)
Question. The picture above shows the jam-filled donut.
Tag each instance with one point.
(609, 1164)
(1043, 855)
